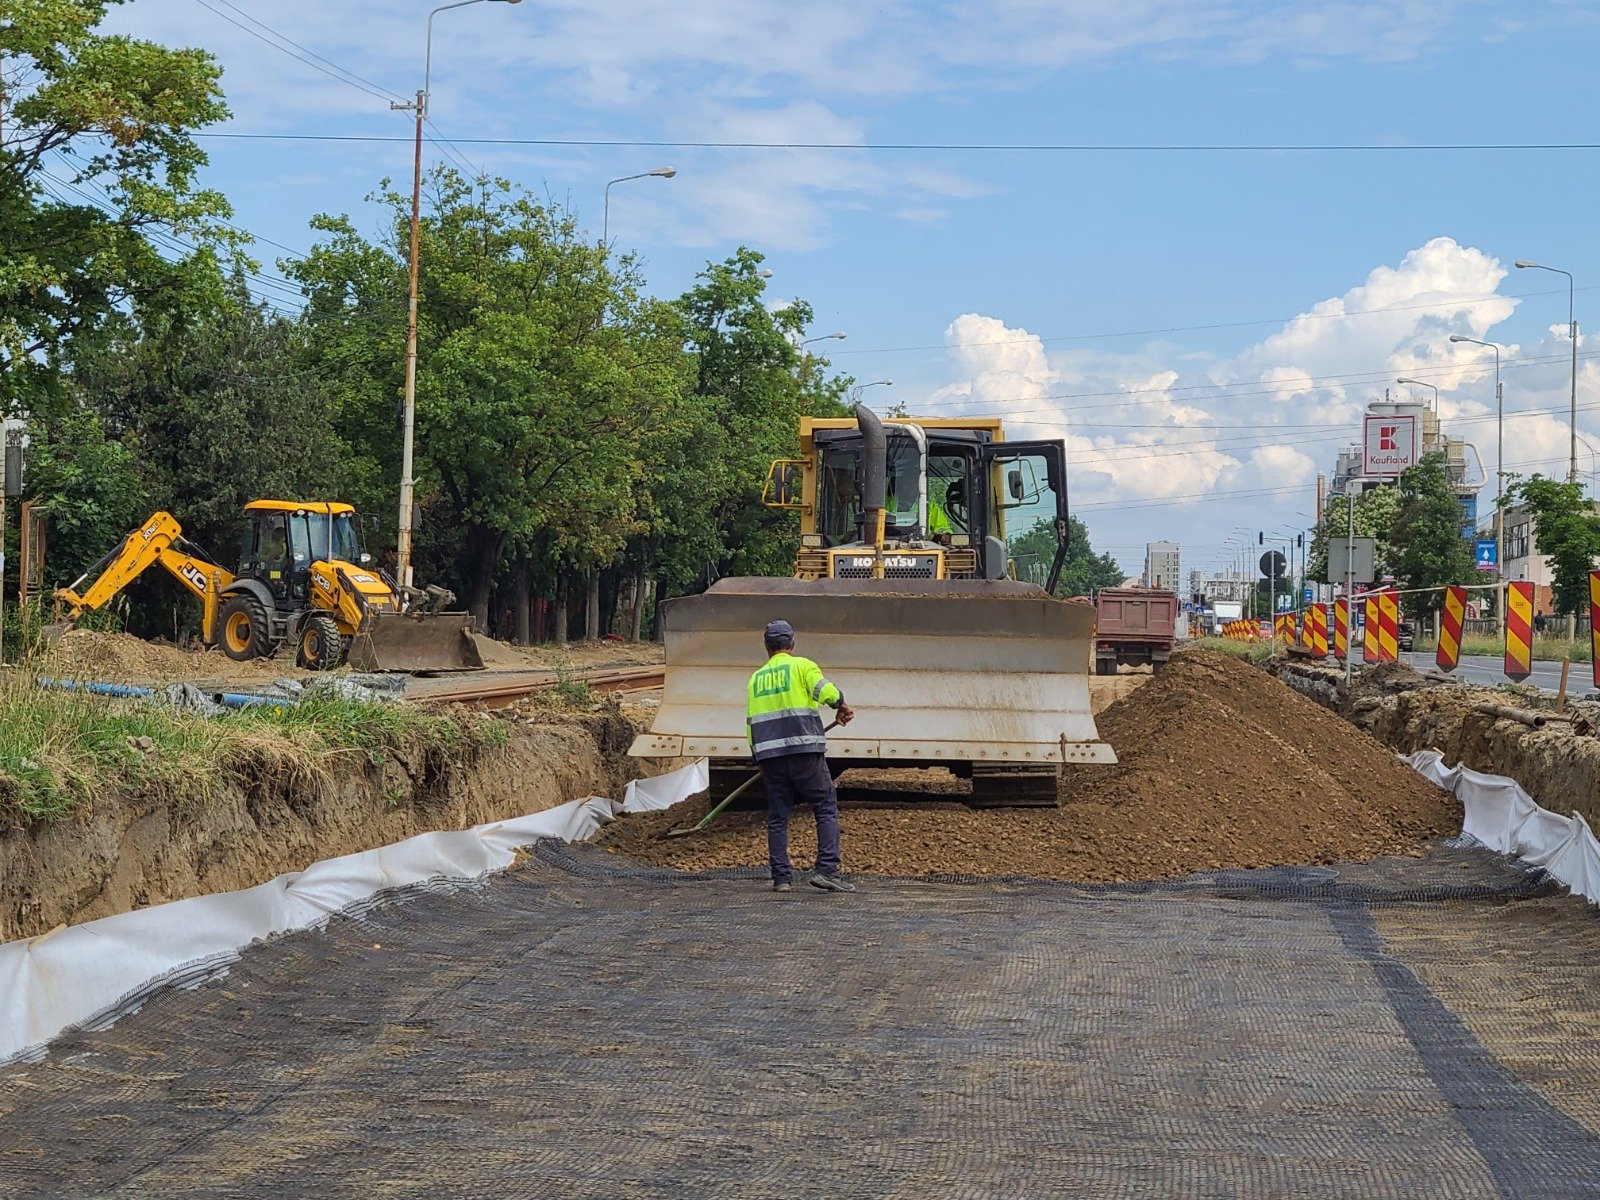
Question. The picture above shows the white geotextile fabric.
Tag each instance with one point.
(1499, 814)
(99, 970)
(663, 791)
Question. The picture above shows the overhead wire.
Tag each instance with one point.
(974, 147)
(309, 58)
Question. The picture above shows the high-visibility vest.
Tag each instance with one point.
(781, 707)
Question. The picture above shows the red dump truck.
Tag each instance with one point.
(1133, 626)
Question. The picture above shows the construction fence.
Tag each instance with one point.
(1371, 624)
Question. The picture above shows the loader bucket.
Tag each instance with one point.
(939, 672)
(417, 643)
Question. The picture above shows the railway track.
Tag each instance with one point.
(509, 687)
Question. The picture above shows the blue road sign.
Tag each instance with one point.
(1483, 550)
(1309, 596)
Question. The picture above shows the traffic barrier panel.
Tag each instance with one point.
(1369, 635)
(1318, 626)
(1341, 627)
(1448, 655)
(1388, 627)
(1594, 626)
(1519, 630)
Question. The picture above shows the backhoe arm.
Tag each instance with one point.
(158, 540)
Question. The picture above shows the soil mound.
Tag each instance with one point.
(122, 658)
(1222, 766)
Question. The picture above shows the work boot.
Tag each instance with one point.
(832, 883)
(782, 887)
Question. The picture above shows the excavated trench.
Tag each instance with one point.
(123, 852)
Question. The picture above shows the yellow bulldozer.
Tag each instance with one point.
(303, 581)
(929, 553)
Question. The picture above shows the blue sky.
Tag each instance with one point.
(1203, 326)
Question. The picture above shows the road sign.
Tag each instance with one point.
(1285, 603)
(1389, 445)
(1308, 596)
(1484, 552)
(1273, 563)
(1339, 551)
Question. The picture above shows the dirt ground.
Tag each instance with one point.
(1221, 767)
(122, 658)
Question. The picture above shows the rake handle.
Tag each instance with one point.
(730, 798)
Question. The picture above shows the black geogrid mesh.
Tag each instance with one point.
(583, 1027)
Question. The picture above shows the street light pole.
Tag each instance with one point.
(1572, 328)
(827, 337)
(605, 218)
(1424, 383)
(409, 420)
(1499, 476)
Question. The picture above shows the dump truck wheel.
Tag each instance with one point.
(244, 629)
(322, 646)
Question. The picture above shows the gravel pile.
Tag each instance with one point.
(1221, 767)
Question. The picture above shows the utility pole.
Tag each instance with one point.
(409, 421)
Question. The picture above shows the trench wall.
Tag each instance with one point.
(1407, 712)
(118, 854)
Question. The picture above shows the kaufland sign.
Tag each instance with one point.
(1390, 444)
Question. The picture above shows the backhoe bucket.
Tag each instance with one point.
(417, 643)
(991, 674)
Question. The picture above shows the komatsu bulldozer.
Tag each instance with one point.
(303, 581)
(929, 553)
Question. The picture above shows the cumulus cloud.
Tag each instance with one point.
(1156, 428)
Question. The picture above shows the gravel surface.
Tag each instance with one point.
(1221, 767)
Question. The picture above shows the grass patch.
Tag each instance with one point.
(1256, 652)
(59, 749)
(1545, 649)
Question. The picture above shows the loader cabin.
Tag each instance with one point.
(960, 501)
(282, 538)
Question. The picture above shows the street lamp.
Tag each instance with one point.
(855, 392)
(839, 337)
(1422, 383)
(1499, 470)
(408, 440)
(605, 219)
(1572, 327)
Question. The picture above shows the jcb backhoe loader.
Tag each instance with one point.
(929, 552)
(303, 580)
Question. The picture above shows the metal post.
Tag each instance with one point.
(1349, 588)
(1499, 497)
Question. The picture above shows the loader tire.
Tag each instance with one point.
(245, 632)
(322, 646)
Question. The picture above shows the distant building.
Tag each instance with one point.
(1347, 473)
(1162, 568)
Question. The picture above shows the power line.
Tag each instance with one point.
(308, 50)
(973, 147)
(331, 70)
(1095, 337)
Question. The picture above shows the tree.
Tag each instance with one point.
(540, 373)
(1566, 530)
(1375, 511)
(1429, 547)
(96, 159)
(1082, 573)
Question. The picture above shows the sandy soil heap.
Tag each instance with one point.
(1221, 767)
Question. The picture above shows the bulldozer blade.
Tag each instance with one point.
(417, 643)
(939, 672)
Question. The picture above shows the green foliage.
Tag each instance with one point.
(1429, 546)
(1083, 573)
(1374, 518)
(97, 155)
(1566, 530)
(60, 749)
(89, 486)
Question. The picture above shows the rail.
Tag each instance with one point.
(498, 693)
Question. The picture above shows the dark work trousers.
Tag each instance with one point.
(792, 779)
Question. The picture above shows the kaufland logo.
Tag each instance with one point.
(1386, 437)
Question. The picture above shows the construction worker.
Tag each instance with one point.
(789, 745)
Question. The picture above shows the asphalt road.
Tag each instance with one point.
(1491, 672)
